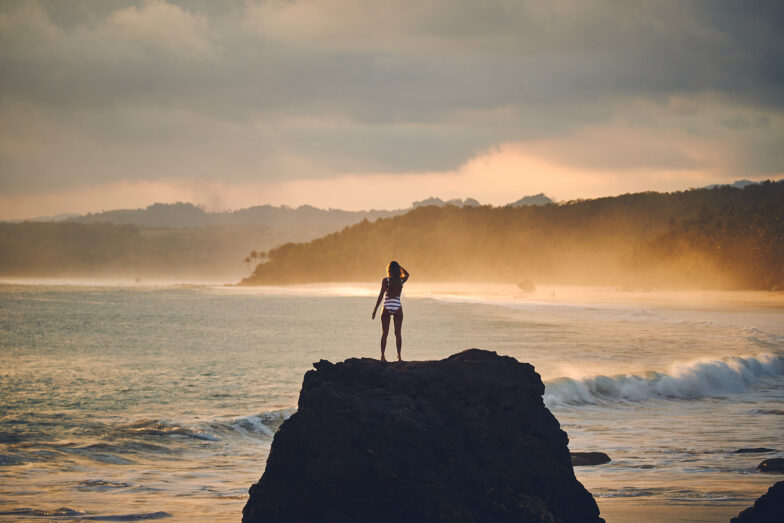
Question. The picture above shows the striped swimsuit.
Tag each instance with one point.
(392, 303)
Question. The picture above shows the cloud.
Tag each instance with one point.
(159, 25)
(274, 92)
(499, 175)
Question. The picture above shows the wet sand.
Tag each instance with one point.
(625, 510)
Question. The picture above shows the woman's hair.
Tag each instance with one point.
(394, 273)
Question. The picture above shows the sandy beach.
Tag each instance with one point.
(628, 511)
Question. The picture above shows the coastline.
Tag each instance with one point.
(468, 292)
(627, 510)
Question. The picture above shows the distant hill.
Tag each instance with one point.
(738, 184)
(177, 240)
(183, 215)
(536, 199)
(724, 237)
(70, 249)
(54, 218)
(707, 237)
(438, 202)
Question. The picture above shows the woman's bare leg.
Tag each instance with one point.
(398, 332)
(384, 332)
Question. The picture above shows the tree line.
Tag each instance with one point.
(722, 237)
(105, 249)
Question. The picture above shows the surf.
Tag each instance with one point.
(683, 381)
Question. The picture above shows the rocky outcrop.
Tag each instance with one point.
(583, 459)
(772, 465)
(463, 439)
(769, 508)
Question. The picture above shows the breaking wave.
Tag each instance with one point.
(122, 444)
(65, 513)
(693, 380)
(259, 426)
(152, 427)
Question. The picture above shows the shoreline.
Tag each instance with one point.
(627, 510)
(504, 294)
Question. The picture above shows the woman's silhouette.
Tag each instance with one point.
(392, 285)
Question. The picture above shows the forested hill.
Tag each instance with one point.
(178, 240)
(170, 241)
(722, 237)
(68, 249)
(187, 215)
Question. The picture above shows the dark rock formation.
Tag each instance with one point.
(754, 450)
(581, 459)
(769, 508)
(463, 439)
(772, 465)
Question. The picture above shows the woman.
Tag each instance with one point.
(392, 285)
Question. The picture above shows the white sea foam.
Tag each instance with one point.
(264, 424)
(692, 380)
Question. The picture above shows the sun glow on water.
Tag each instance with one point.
(165, 399)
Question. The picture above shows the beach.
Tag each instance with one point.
(161, 401)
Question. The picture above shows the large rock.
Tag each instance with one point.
(584, 459)
(769, 508)
(463, 439)
(772, 465)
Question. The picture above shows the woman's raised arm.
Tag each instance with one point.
(380, 295)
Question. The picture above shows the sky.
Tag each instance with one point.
(361, 104)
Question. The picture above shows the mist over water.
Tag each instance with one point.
(147, 402)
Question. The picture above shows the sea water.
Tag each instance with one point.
(160, 402)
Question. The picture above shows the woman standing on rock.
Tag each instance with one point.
(392, 285)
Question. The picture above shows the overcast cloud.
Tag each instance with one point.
(234, 103)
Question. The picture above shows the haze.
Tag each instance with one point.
(357, 105)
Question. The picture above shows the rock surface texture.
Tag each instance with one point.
(467, 439)
(769, 508)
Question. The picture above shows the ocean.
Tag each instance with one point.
(136, 402)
